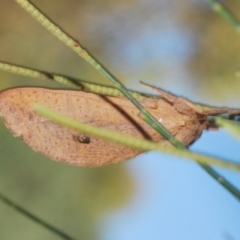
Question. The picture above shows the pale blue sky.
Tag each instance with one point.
(176, 199)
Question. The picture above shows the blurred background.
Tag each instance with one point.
(180, 46)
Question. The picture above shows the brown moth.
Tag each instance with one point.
(183, 119)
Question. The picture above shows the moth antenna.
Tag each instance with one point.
(168, 96)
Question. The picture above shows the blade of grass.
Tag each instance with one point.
(35, 218)
(56, 31)
(225, 13)
(36, 74)
(84, 86)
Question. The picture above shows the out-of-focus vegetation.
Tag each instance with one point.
(128, 38)
(216, 54)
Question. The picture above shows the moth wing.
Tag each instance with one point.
(58, 142)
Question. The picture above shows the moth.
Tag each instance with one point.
(184, 119)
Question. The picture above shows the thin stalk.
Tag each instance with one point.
(225, 183)
(225, 13)
(34, 218)
(36, 74)
(82, 85)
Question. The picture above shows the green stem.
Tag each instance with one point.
(225, 13)
(34, 218)
(227, 185)
(36, 74)
(84, 86)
